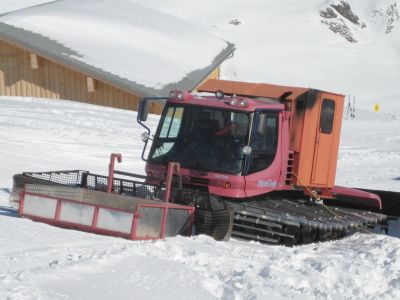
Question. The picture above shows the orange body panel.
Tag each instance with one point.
(315, 152)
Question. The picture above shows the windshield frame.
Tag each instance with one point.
(196, 164)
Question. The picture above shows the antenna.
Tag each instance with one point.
(233, 83)
(348, 110)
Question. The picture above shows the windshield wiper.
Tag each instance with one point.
(163, 158)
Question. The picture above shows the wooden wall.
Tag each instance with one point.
(27, 75)
(20, 77)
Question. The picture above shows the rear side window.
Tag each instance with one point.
(327, 116)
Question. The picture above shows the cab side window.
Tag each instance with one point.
(264, 141)
(327, 116)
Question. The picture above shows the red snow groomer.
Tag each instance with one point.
(254, 161)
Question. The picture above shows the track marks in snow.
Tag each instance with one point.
(239, 270)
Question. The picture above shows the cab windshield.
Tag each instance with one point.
(202, 138)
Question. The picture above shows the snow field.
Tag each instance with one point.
(66, 136)
(369, 155)
(43, 262)
(38, 261)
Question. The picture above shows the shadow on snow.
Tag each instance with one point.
(5, 210)
(8, 212)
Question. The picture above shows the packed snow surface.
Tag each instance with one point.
(38, 261)
(124, 38)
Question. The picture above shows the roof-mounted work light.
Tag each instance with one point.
(179, 95)
(219, 95)
(233, 102)
(243, 103)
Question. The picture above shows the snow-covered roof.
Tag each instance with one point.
(12, 5)
(121, 42)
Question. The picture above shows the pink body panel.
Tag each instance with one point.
(215, 182)
(262, 182)
(357, 197)
(272, 178)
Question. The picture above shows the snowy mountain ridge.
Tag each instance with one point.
(341, 19)
(290, 43)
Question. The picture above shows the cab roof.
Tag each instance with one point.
(247, 89)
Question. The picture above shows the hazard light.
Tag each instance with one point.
(227, 184)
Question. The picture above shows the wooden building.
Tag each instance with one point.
(33, 64)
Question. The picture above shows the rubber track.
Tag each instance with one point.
(293, 222)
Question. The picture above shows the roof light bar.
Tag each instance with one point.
(238, 103)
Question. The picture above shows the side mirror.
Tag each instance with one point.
(145, 136)
(143, 112)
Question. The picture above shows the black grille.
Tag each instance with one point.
(84, 179)
(70, 178)
(196, 180)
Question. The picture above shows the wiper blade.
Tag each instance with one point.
(163, 158)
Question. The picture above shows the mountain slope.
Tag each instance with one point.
(290, 43)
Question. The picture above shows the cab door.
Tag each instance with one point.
(264, 162)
